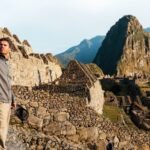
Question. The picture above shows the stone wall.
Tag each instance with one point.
(72, 89)
(32, 71)
(28, 68)
(61, 121)
(94, 96)
(79, 75)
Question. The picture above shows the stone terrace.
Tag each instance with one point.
(60, 121)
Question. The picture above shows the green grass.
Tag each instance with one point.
(112, 112)
(116, 114)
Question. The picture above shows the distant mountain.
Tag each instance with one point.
(84, 52)
(126, 49)
(147, 29)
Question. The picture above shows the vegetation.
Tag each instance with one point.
(116, 114)
(112, 112)
(95, 69)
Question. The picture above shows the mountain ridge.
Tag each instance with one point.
(79, 52)
(125, 49)
(147, 29)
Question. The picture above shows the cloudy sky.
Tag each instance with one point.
(56, 25)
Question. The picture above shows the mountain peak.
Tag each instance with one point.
(83, 52)
(128, 24)
(133, 25)
(125, 49)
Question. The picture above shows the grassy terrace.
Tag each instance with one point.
(116, 114)
(112, 112)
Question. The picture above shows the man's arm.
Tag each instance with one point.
(13, 103)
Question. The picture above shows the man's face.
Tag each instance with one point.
(4, 48)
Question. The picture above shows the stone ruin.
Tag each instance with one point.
(133, 103)
(28, 68)
(60, 120)
(77, 79)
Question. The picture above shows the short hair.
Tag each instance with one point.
(8, 40)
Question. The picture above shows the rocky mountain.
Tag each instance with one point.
(29, 68)
(126, 49)
(84, 52)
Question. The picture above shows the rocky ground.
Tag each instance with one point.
(64, 122)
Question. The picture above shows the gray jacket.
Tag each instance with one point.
(6, 94)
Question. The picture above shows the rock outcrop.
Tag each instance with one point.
(28, 68)
(126, 49)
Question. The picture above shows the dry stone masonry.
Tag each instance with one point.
(60, 121)
(28, 68)
(78, 79)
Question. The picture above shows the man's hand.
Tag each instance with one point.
(13, 105)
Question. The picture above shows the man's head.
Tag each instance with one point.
(5, 46)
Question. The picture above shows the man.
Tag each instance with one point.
(6, 94)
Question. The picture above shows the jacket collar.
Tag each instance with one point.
(3, 57)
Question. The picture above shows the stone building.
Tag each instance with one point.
(80, 77)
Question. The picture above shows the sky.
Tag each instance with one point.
(53, 26)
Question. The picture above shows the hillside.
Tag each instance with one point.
(147, 29)
(84, 52)
(125, 49)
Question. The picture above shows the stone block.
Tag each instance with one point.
(52, 128)
(35, 122)
(145, 147)
(74, 138)
(90, 134)
(34, 104)
(42, 111)
(101, 145)
(67, 128)
(102, 136)
(61, 116)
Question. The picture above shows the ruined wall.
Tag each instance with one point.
(82, 78)
(93, 96)
(28, 68)
(32, 71)
(96, 97)
(61, 121)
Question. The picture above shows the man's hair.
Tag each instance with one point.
(8, 40)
